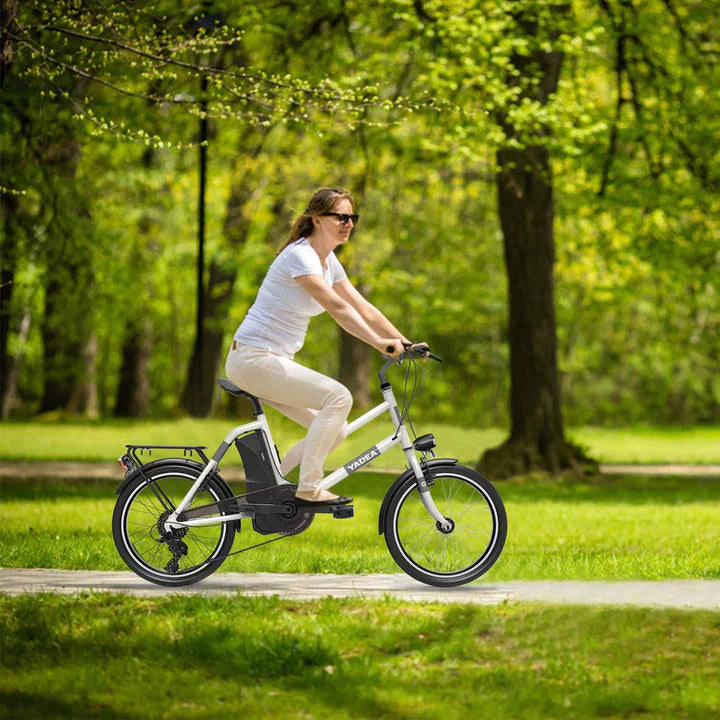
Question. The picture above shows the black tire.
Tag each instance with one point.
(137, 537)
(469, 549)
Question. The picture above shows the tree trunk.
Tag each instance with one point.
(354, 370)
(67, 325)
(526, 212)
(8, 257)
(526, 207)
(133, 393)
(84, 397)
(197, 396)
(12, 373)
(199, 390)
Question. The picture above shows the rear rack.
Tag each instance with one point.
(134, 452)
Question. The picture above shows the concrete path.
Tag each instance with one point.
(691, 594)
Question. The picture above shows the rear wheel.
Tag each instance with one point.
(178, 557)
(450, 555)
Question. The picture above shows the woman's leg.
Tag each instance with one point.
(283, 382)
(304, 417)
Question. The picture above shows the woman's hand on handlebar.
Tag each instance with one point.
(418, 348)
(392, 347)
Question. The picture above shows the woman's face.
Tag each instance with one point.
(333, 227)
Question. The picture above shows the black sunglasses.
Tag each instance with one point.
(344, 218)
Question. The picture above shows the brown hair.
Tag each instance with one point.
(321, 202)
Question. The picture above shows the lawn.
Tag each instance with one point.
(110, 656)
(615, 527)
(104, 442)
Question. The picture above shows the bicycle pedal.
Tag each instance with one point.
(343, 511)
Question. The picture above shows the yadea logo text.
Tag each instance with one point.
(361, 460)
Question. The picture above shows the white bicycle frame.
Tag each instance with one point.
(399, 437)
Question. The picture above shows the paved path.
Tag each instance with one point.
(691, 594)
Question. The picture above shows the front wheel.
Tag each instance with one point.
(454, 555)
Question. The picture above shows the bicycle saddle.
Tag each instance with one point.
(233, 389)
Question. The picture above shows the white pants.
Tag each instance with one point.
(309, 398)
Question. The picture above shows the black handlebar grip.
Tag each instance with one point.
(390, 349)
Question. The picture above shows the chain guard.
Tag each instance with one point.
(293, 520)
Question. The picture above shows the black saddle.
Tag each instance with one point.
(233, 389)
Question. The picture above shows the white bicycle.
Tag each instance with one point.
(175, 518)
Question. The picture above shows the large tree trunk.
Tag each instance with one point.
(526, 207)
(526, 212)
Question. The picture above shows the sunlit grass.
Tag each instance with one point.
(651, 445)
(108, 656)
(610, 528)
(104, 442)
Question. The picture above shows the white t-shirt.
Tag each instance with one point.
(278, 319)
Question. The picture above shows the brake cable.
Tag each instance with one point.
(406, 404)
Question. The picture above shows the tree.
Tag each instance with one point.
(527, 212)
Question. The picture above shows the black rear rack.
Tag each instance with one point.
(134, 451)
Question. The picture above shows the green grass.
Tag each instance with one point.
(109, 656)
(104, 442)
(600, 528)
(693, 445)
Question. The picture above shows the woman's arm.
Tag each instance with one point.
(369, 313)
(349, 318)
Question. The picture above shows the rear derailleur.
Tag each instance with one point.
(174, 540)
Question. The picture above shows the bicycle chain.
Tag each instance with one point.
(265, 542)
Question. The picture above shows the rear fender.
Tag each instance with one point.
(166, 462)
(436, 462)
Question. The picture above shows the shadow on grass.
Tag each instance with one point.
(199, 657)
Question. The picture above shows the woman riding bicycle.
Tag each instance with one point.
(304, 280)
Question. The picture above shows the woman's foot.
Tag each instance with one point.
(320, 497)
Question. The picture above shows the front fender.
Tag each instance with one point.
(400, 480)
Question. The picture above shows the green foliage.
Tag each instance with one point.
(403, 103)
(209, 657)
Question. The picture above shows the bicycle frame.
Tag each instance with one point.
(399, 437)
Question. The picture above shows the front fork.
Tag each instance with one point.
(422, 481)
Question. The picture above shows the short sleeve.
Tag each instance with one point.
(337, 271)
(299, 261)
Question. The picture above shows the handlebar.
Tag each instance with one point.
(413, 352)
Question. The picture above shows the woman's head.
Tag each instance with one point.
(322, 202)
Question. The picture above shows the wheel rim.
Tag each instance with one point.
(467, 545)
(140, 528)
